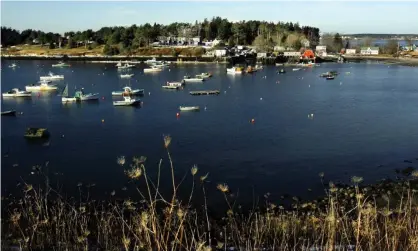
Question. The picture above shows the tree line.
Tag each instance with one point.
(125, 39)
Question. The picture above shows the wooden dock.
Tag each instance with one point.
(205, 92)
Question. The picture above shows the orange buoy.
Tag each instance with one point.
(178, 114)
(252, 120)
(102, 120)
(103, 98)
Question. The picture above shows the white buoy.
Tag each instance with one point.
(149, 93)
(309, 86)
(261, 98)
(205, 108)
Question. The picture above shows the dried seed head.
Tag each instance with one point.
(121, 160)
(194, 170)
(134, 173)
(223, 188)
(167, 141)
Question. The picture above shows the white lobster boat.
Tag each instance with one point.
(234, 70)
(126, 75)
(51, 76)
(127, 91)
(189, 108)
(16, 93)
(79, 96)
(127, 101)
(153, 69)
(124, 67)
(43, 86)
(188, 79)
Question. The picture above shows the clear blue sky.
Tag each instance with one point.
(343, 17)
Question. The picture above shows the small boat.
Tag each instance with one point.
(78, 96)
(330, 77)
(204, 75)
(128, 101)
(13, 65)
(61, 64)
(179, 84)
(127, 91)
(189, 79)
(258, 67)
(43, 86)
(329, 73)
(52, 76)
(123, 67)
(189, 108)
(234, 70)
(152, 61)
(153, 69)
(170, 87)
(15, 92)
(126, 75)
(282, 71)
(36, 133)
(296, 69)
(8, 113)
(279, 64)
(160, 65)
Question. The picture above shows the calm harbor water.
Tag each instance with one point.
(364, 124)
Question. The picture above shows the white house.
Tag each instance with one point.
(195, 41)
(350, 51)
(369, 51)
(292, 53)
(261, 55)
(321, 50)
(220, 53)
(279, 48)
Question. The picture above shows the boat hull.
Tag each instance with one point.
(190, 108)
(40, 88)
(8, 113)
(68, 100)
(17, 95)
(170, 87)
(133, 92)
(126, 103)
(153, 70)
(193, 80)
(52, 78)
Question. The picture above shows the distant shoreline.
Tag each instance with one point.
(386, 59)
(196, 60)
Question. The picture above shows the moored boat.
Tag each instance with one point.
(13, 65)
(282, 71)
(8, 113)
(127, 101)
(189, 79)
(234, 70)
(78, 96)
(189, 108)
(296, 69)
(170, 87)
(15, 92)
(124, 67)
(204, 75)
(152, 69)
(52, 76)
(33, 132)
(61, 64)
(330, 77)
(126, 75)
(127, 91)
(43, 86)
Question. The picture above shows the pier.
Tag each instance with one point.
(205, 92)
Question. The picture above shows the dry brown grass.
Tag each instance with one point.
(382, 218)
(146, 51)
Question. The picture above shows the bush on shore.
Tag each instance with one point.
(383, 217)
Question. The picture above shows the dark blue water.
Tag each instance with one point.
(364, 124)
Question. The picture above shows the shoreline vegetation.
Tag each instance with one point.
(383, 216)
